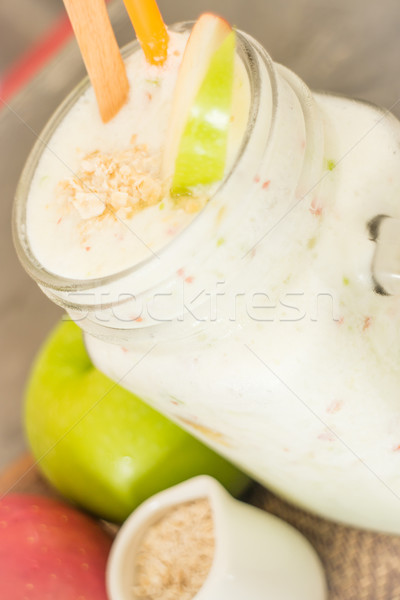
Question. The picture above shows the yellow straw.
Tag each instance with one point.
(149, 28)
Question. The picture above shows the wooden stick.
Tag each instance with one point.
(100, 53)
(149, 28)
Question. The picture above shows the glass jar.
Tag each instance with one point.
(259, 328)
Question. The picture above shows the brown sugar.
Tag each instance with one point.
(176, 554)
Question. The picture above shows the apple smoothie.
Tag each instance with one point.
(246, 312)
(98, 190)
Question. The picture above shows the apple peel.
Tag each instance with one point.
(202, 151)
(49, 550)
(202, 101)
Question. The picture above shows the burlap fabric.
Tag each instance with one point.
(360, 565)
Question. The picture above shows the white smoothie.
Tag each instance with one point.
(263, 335)
(302, 389)
(97, 203)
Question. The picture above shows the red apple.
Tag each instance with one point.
(50, 551)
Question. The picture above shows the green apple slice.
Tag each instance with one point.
(202, 150)
(206, 38)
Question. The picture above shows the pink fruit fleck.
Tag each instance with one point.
(327, 436)
(317, 211)
(316, 207)
(334, 407)
(367, 323)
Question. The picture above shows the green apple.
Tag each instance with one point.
(196, 142)
(101, 446)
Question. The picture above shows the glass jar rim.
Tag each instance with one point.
(247, 48)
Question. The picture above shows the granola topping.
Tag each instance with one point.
(119, 184)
